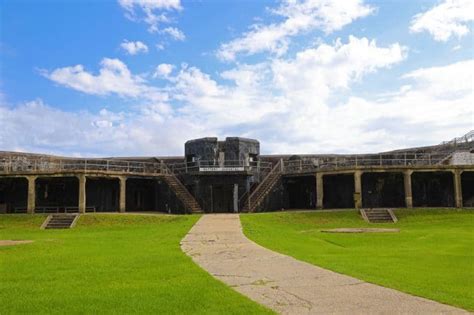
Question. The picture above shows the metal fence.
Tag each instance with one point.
(354, 161)
(202, 166)
(32, 165)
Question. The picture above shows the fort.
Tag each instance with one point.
(232, 176)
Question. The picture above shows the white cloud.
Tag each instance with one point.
(423, 113)
(152, 12)
(133, 48)
(448, 19)
(175, 33)
(163, 70)
(302, 104)
(153, 130)
(114, 78)
(298, 16)
(327, 67)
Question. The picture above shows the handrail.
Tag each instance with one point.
(277, 168)
(468, 137)
(214, 165)
(372, 160)
(31, 165)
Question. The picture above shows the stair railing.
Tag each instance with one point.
(277, 169)
(169, 173)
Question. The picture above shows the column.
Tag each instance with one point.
(457, 188)
(358, 189)
(123, 193)
(30, 208)
(408, 190)
(82, 193)
(319, 190)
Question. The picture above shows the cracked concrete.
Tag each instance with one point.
(286, 285)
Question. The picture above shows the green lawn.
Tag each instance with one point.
(118, 264)
(432, 256)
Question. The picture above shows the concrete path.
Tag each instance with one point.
(287, 285)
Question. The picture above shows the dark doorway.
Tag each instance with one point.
(57, 194)
(222, 198)
(338, 191)
(13, 195)
(301, 192)
(383, 190)
(432, 189)
(467, 184)
(102, 194)
(142, 194)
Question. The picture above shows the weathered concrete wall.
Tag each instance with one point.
(462, 158)
(210, 149)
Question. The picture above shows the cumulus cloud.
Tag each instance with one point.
(300, 104)
(133, 48)
(152, 12)
(326, 67)
(175, 33)
(114, 77)
(163, 70)
(298, 16)
(448, 19)
(152, 130)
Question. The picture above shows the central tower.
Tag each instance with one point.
(220, 173)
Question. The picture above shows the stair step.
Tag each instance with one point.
(378, 215)
(60, 221)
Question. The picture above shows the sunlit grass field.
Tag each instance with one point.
(119, 264)
(432, 256)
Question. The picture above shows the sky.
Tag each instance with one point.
(140, 77)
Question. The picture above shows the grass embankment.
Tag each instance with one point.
(431, 256)
(108, 264)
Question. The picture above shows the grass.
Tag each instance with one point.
(431, 256)
(117, 264)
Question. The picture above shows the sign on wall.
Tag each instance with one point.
(222, 169)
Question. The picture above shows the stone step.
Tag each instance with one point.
(378, 215)
(58, 221)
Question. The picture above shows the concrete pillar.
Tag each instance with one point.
(30, 208)
(358, 189)
(457, 188)
(82, 193)
(319, 190)
(408, 190)
(123, 193)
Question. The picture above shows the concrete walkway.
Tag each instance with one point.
(287, 285)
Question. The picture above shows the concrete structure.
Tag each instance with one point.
(232, 176)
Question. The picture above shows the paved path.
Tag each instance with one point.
(287, 285)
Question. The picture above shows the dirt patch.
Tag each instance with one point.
(10, 242)
(361, 230)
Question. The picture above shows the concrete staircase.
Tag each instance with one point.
(60, 221)
(183, 194)
(378, 215)
(263, 189)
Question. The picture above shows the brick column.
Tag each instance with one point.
(123, 193)
(408, 190)
(82, 193)
(319, 190)
(457, 188)
(358, 189)
(30, 208)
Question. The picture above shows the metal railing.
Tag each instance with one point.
(468, 137)
(23, 164)
(201, 166)
(354, 161)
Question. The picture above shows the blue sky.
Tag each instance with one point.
(139, 77)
